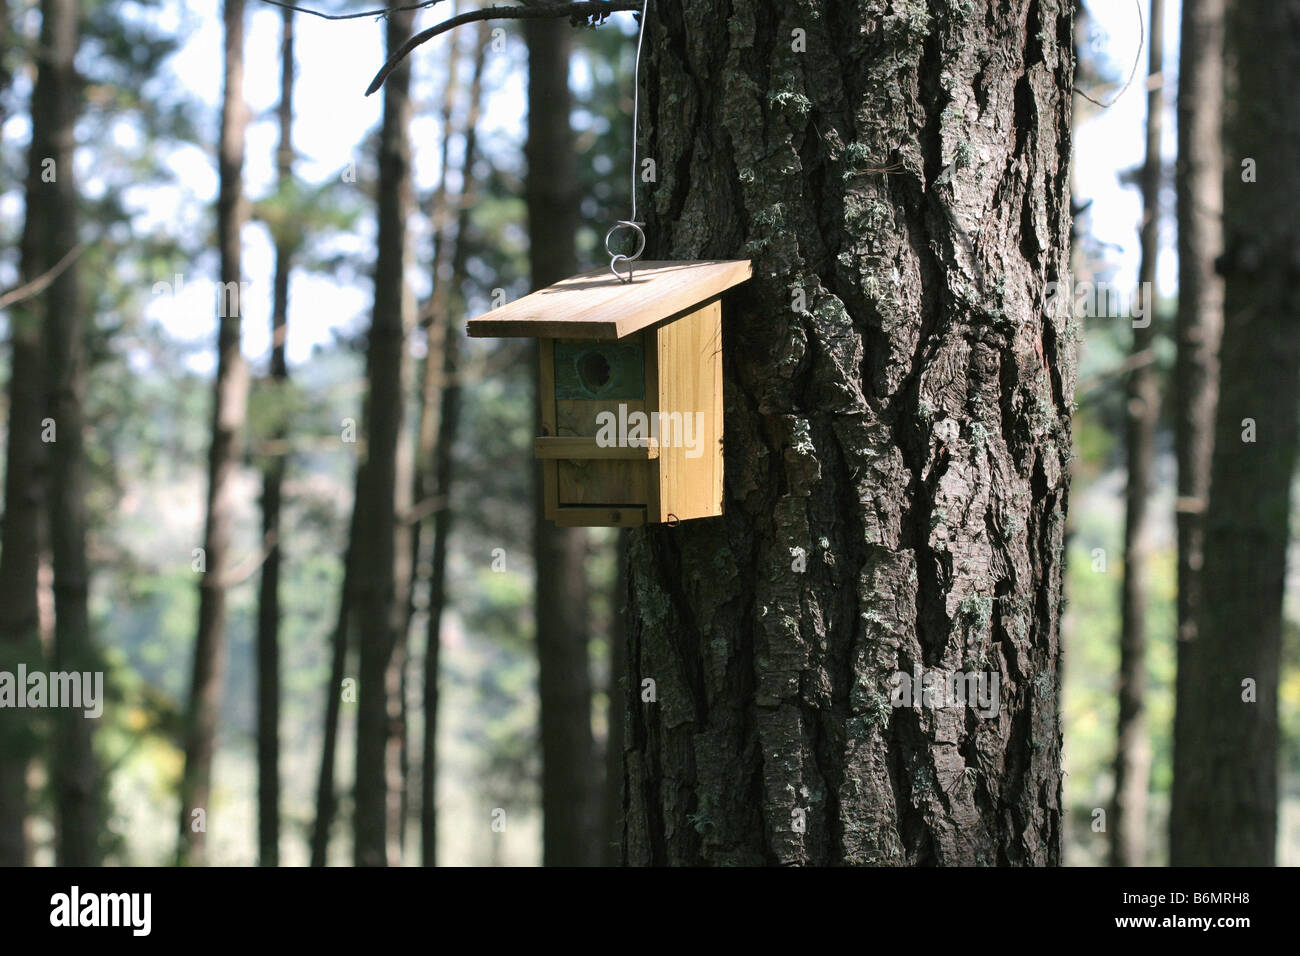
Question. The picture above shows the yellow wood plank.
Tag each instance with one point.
(690, 398)
(597, 306)
(587, 448)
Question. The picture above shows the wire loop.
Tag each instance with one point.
(616, 258)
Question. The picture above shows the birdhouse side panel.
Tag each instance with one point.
(689, 359)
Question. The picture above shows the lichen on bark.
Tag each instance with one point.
(896, 450)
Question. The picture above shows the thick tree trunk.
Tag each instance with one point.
(1128, 824)
(230, 399)
(268, 599)
(383, 543)
(571, 821)
(1224, 801)
(1200, 304)
(898, 399)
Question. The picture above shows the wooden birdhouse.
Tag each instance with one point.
(631, 390)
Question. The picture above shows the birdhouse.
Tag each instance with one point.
(631, 390)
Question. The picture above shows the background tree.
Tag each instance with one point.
(268, 605)
(571, 835)
(229, 403)
(1199, 185)
(382, 545)
(1128, 824)
(56, 101)
(1225, 788)
(446, 308)
(48, 241)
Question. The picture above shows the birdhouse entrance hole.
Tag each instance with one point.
(593, 369)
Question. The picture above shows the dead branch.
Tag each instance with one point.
(587, 10)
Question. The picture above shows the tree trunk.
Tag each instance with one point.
(435, 328)
(898, 400)
(1224, 801)
(326, 798)
(446, 307)
(1200, 303)
(1128, 824)
(571, 822)
(230, 399)
(612, 851)
(268, 602)
(75, 775)
(21, 536)
(383, 543)
(47, 378)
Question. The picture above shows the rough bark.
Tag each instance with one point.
(383, 543)
(1200, 303)
(1224, 801)
(898, 398)
(268, 598)
(229, 402)
(571, 820)
(1128, 823)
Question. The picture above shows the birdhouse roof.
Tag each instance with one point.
(595, 305)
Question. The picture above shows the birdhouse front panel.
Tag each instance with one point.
(631, 391)
(617, 371)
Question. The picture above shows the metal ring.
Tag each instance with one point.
(673, 520)
(616, 258)
(627, 224)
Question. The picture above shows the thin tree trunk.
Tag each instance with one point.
(1128, 825)
(383, 542)
(613, 848)
(445, 308)
(268, 604)
(430, 367)
(230, 398)
(571, 819)
(1224, 801)
(898, 401)
(75, 775)
(326, 797)
(1200, 303)
(428, 414)
(21, 534)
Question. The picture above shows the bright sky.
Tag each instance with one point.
(336, 60)
(1113, 140)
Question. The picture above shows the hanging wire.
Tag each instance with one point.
(632, 223)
